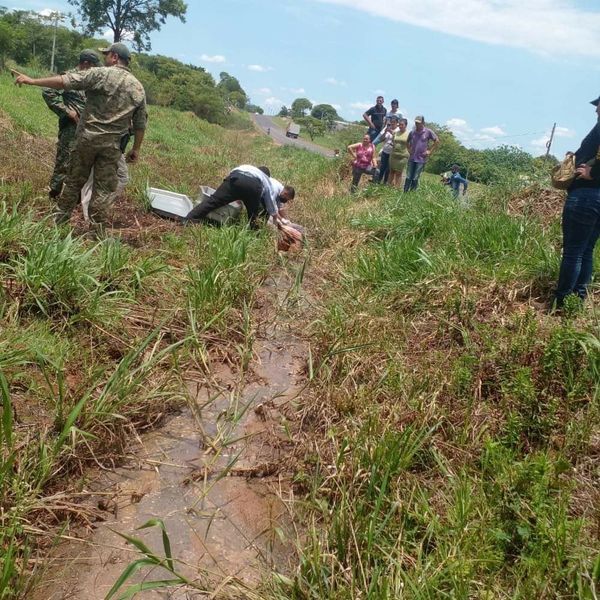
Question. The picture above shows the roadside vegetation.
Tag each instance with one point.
(447, 444)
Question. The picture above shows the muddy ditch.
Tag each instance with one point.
(218, 475)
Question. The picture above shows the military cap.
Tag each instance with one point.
(121, 50)
(90, 56)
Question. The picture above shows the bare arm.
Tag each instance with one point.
(56, 82)
(138, 138)
(433, 147)
(352, 149)
(368, 121)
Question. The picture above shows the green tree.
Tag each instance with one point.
(300, 106)
(6, 42)
(314, 127)
(140, 17)
(324, 112)
(254, 108)
(284, 112)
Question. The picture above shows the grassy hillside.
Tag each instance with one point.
(449, 437)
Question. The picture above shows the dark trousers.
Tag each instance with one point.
(384, 168)
(413, 172)
(236, 186)
(581, 229)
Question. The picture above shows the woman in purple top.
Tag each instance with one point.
(364, 161)
(420, 151)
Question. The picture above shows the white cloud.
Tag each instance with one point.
(456, 123)
(559, 132)
(299, 90)
(215, 58)
(273, 101)
(334, 81)
(360, 105)
(265, 91)
(495, 130)
(541, 26)
(379, 92)
(259, 68)
(540, 142)
(478, 138)
(564, 132)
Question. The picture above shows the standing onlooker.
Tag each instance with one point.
(393, 113)
(68, 105)
(365, 159)
(374, 118)
(387, 137)
(581, 219)
(455, 180)
(400, 153)
(420, 151)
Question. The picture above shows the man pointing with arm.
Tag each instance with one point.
(115, 98)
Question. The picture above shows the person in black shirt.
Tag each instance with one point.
(581, 219)
(374, 118)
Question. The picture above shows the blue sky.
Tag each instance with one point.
(494, 71)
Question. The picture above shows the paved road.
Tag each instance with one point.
(278, 134)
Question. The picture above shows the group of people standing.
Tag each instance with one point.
(403, 152)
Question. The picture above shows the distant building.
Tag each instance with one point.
(339, 125)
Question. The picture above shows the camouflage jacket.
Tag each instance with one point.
(59, 102)
(115, 100)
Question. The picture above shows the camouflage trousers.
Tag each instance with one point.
(86, 192)
(66, 139)
(103, 157)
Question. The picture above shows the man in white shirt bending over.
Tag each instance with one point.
(254, 188)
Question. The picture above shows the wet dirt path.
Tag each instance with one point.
(213, 474)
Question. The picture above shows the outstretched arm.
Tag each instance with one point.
(56, 82)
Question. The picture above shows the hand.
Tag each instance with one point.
(584, 172)
(21, 79)
(73, 115)
(427, 152)
(133, 156)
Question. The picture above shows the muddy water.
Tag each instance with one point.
(210, 474)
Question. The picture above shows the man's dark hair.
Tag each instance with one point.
(379, 97)
(394, 101)
(265, 170)
(403, 120)
(290, 192)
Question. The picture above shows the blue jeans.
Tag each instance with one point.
(373, 132)
(384, 168)
(581, 228)
(413, 172)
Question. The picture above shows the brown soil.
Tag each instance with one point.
(219, 475)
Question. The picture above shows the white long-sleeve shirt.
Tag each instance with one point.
(269, 193)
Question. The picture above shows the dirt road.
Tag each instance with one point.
(278, 134)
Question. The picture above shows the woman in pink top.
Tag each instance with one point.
(365, 159)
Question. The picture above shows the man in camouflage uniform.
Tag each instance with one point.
(114, 99)
(68, 106)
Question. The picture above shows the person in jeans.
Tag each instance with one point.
(456, 180)
(251, 185)
(387, 137)
(364, 160)
(419, 151)
(581, 219)
(374, 118)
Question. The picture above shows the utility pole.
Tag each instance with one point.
(54, 17)
(549, 142)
